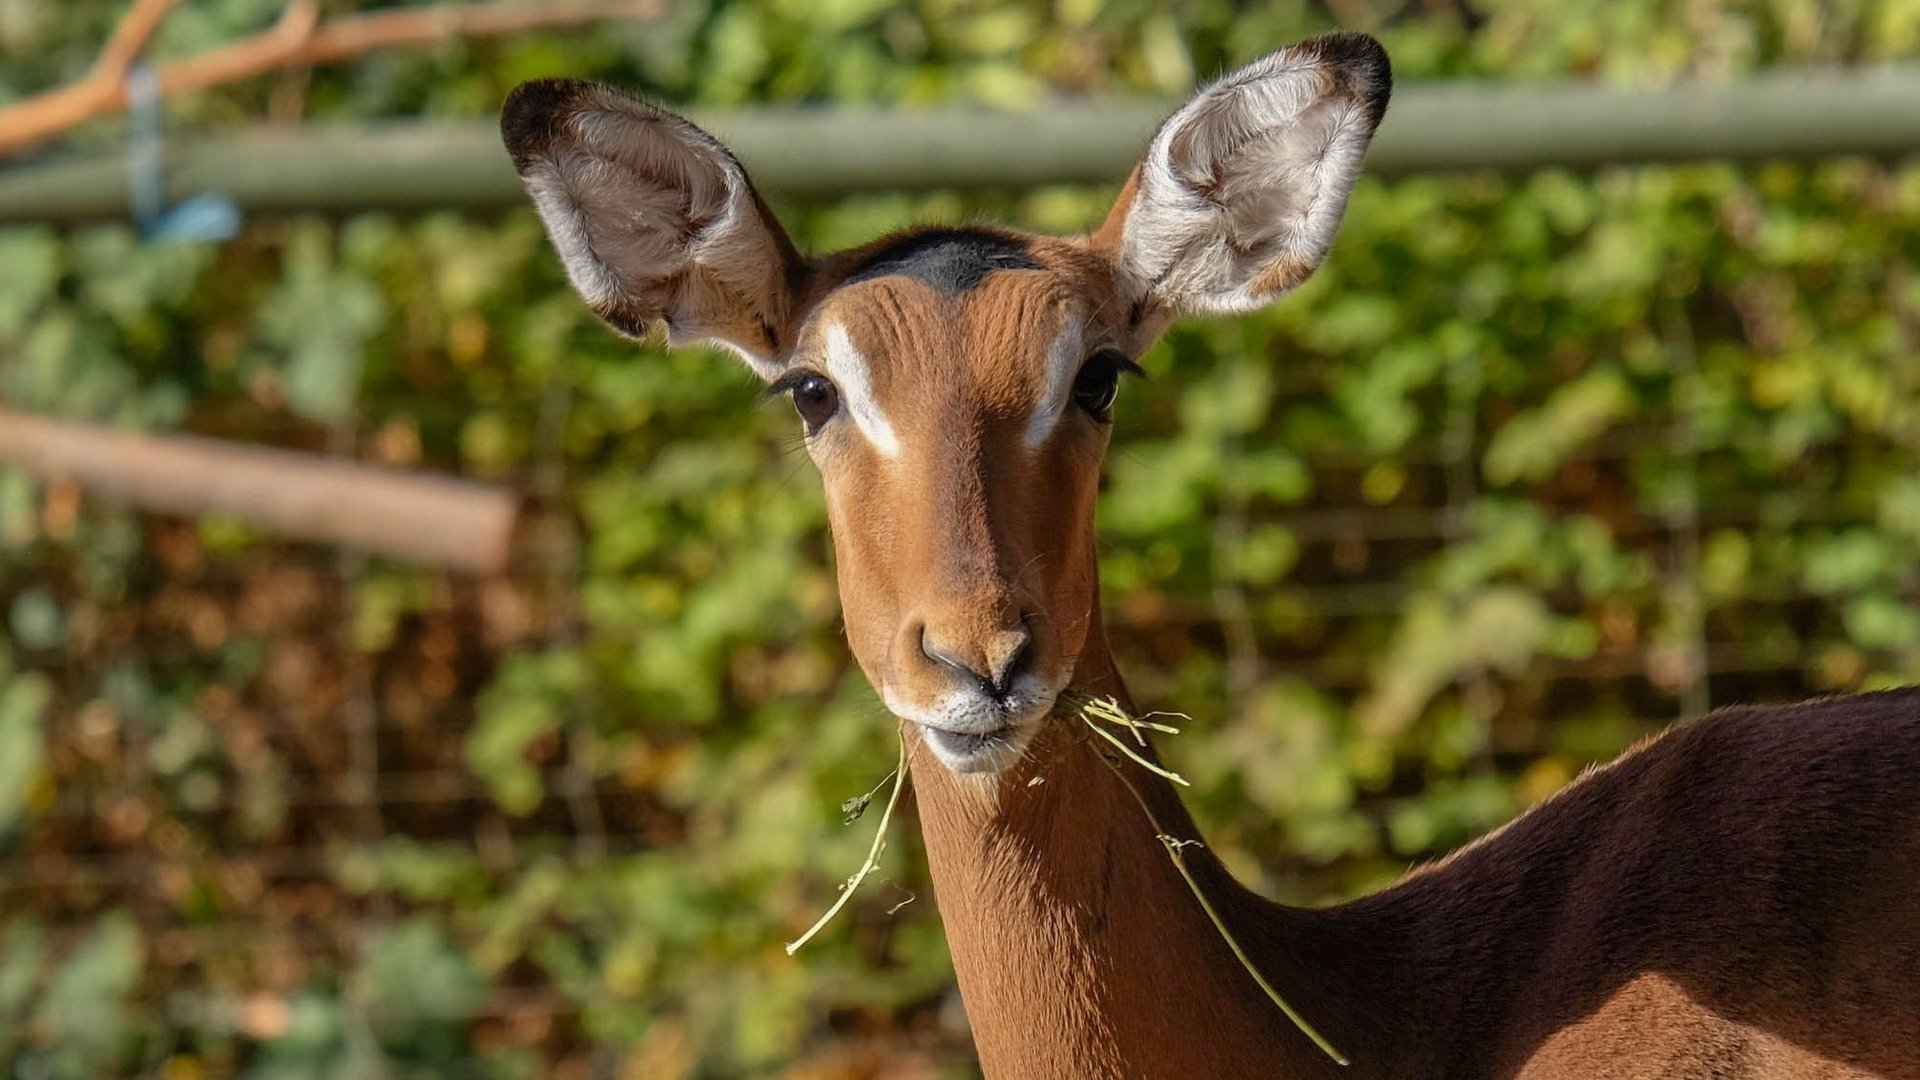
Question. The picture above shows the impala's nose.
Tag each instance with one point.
(990, 661)
(974, 680)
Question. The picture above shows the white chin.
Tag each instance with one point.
(978, 755)
(973, 735)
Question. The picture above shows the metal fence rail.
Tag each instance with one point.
(806, 152)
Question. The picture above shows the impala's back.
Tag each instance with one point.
(1737, 897)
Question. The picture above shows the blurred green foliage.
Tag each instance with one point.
(1532, 466)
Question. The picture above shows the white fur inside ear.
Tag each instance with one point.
(762, 365)
(567, 226)
(1241, 191)
(655, 222)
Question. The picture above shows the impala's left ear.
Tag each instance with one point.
(1240, 191)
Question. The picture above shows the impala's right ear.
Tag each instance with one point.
(654, 220)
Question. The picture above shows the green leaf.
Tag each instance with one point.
(416, 979)
(1848, 562)
(23, 706)
(33, 259)
(85, 1006)
(1533, 445)
(36, 620)
(319, 320)
(529, 700)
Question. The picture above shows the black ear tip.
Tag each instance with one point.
(1362, 63)
(1349, 48)
(532, 113)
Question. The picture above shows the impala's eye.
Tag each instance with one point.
(814, 397)
(1099, 381)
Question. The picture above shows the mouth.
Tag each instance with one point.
(971, 734)
(981, 752)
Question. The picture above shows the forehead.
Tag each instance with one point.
(973, 305)
(949, 261)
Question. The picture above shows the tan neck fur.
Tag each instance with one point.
(1080, 950)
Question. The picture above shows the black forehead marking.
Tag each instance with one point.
(948, 260)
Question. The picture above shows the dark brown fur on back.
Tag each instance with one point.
(1738, 896)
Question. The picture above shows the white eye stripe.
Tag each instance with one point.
(1063, 363)
(848, 370)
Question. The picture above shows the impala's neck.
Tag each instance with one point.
(1081, 951)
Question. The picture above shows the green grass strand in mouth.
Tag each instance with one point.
(874, 852)
(1108, 711)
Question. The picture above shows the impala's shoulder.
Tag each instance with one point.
(1813, 762)
(1770, 752)
(1877, 718)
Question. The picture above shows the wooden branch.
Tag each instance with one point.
(343, 38)
(103, 90)
(431, 520)
(277, 46)
(298, 39)
(136, 27)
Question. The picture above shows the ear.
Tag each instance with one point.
(654, 219)
(1240, 191)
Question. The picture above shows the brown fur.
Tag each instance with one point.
(1733, 899)
(972, 543)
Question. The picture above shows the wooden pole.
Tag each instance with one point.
(298, 39)
(824, 153)
(432, 520)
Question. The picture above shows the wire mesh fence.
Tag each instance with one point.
(306, 769)
(298, 806)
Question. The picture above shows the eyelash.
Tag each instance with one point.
(1105, 367)
(814, 397)
(817, 400)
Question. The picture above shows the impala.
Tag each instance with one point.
(1734, 898)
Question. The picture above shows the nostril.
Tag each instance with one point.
(1015, 646)
(991, 664)
(946, 659)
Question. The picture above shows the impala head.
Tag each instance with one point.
(956, 384)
